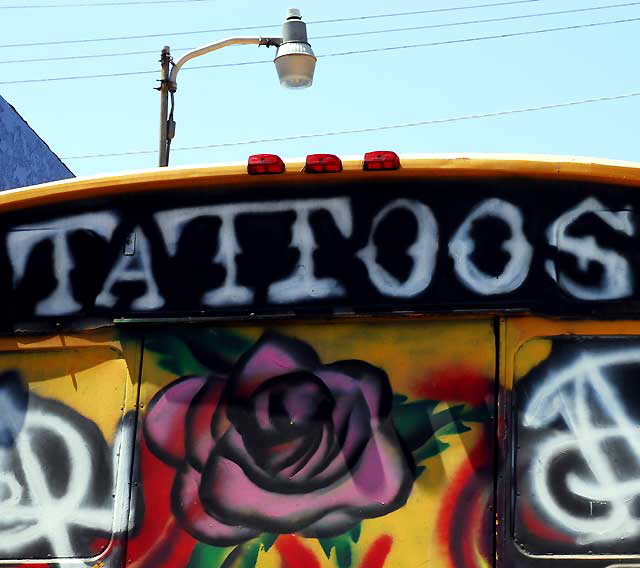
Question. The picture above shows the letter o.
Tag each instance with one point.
(422, 251)
(520, 251)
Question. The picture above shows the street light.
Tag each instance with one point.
(295, 63)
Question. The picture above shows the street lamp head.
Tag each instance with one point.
(295, 61)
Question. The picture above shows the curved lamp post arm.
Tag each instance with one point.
(168, 82)
(268, 41)
(295, 63)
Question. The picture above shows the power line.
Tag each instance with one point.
(481, 38)
(337, 54)
(248, 28)
(486, 21)
(373, 128)
(94, 4)
(351, 34)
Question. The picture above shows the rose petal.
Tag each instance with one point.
(199, 436)
(353, 431)
(196, 521)
(282, 408)
(379, 483)
(341, 377)
(280, 458)
(233, 447)
(164, 424)
(318, 453)
(333, 524)
(271, 356)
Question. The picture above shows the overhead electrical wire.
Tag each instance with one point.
(485, 21)
(337, 54)
(94, 4)
(373, 128)
(481, 38)
(262, 27)
(350, 34)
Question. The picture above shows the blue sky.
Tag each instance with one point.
(225, 105)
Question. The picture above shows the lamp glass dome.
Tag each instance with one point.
(295, 64)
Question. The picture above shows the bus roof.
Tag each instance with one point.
(419, 166)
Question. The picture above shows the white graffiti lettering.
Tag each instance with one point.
(133, 268)
(71, 287)
(520, 251)
(423, 252)
(32, 511)
(301, 284)
(617, 279)
(569, 394)
(23, 239)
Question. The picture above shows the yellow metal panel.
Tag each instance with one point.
(66, 445)
(447, 519)
(520, 330)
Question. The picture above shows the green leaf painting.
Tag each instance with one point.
(420, 427)
(342, 547)
(207, 556)
(197, 351)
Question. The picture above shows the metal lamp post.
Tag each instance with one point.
(295, 64)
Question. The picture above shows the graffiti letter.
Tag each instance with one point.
(576, 394)
(13, 407)
(299, 285)
(134, 268)
(302, 283)
(230, 293)
(422, 251)
(462, 247)
(617, 279)
(172, 224)
(23, 239)
(28, 498)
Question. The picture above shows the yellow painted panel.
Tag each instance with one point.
(66, 444)
(442, 369)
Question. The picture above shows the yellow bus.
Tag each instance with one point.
(380, 361)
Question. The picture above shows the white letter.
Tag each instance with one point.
(462, 246)
(23, 239)
(173, 222)
(133, 268)
(230, 294)
(617, 279)
(299, 285)
(422, 251)
(302, 283)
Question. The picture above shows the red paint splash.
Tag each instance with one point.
(537, 527)
(294, 554)
(463, 523)
(160, 541)
(378, 552)
(455, 383)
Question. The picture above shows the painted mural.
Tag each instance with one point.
(349, 378)
(578, 451)
(317, 446)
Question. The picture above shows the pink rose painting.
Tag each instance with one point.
(281, 444)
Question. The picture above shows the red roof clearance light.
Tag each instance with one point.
(265, 164)
(383, 160)
(322, 163)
